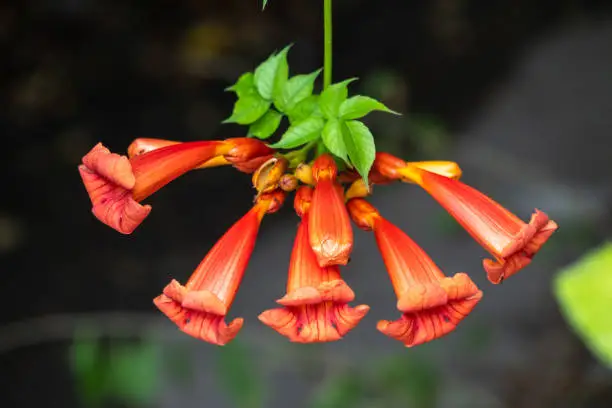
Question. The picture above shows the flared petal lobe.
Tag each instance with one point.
(431, 304)
(199, 307)
(116, 184)
(315, 306)
(330, 232)
(511, 241)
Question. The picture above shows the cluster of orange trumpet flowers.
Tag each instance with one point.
(315, 308)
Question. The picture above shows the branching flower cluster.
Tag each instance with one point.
(327, 157)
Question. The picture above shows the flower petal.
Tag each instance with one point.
(112, 204)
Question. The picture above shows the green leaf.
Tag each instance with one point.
(307, 107)
(583, 290)
(271, 75)
(332, 97)
(266, 125)
(301, 133)
(359, 146)
(239, 376)
(295, 90)
(358, 106)
(248, 109)
(244, 86)
(334, 140)
(265, 3)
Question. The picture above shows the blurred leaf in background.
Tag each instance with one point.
(402, 381)
(117, 370)
(584, 291)
(239, 377)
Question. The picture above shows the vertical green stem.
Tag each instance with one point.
(327, 53)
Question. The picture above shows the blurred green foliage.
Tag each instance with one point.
(401, 381)
(114, 370)
(237, 374)
(584, 291)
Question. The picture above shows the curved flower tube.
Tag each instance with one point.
(316, 308)
(199, 307)
(511, 241)
(431, 304)
(246, 154)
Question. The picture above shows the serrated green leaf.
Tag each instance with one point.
(332, 97)
(359, 146)
(583, 290)
(358, 106)
(307, 107)
(333, 139)
(244, 86)
(296, 89)
(272, 74)
(248, 109)
(301, 133)
(265, 126)
(239, 377)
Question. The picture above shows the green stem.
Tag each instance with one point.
(327, 35)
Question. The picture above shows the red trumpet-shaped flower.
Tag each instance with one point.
(511, 241)
(330, 232)
(116, 185)
(316, 308)
(199, 307)
(246, 155)
(431, 304)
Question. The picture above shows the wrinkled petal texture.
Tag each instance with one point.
(432, 304)
(108, 178)
(503, 234)
(323, 322)
(197, 320)
(199, 307)
(441, 311)
(316, 307)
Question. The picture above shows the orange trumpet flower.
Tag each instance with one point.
(330, 232)
(316, 308)
(199, 307)
(431, 304)
(246, 156)
(116, 185)
(511, 241)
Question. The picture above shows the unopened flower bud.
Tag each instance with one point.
(303, 172)
(288, 182)
(358, 189)
(267, 176)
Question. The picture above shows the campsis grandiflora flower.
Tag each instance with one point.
(327, 197)
(315, 306)
(511, 241)
(431, 303)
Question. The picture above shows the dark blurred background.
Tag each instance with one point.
(519, 92)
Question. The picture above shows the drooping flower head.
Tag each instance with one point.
(116, 185)
(330, 232)
(199, 308)
(315, 306)
(431, 304)
(511, 241)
